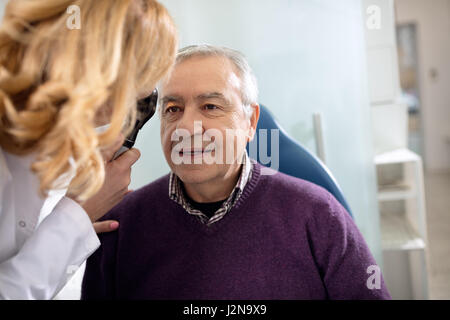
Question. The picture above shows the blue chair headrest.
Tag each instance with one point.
(294, 159)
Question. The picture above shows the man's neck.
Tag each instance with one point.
(214, 190)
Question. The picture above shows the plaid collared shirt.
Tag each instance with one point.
(177, 195)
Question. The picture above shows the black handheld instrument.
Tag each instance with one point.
(146, 108)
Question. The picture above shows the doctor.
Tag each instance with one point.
(56, 86)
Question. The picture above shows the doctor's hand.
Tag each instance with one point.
(115, 186)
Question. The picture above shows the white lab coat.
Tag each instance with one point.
(42, 241)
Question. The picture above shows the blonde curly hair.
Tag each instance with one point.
(55, 82)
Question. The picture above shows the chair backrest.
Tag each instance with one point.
(295, 160)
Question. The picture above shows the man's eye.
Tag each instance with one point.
(210, 107)
(172, 109)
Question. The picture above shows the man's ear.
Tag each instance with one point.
(253, 121)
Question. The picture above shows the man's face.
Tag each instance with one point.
(203, 123)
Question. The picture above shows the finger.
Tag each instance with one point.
(105, 226)
(129, 157)
(110, 151)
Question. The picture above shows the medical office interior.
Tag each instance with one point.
(364, 86)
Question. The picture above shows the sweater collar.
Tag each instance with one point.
(176, 193)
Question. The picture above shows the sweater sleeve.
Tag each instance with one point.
(346, 264)
(99, 277)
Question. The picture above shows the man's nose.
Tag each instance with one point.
(191, 121)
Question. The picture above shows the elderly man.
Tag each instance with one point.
(217, 226)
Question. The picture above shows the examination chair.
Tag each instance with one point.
(295, 160)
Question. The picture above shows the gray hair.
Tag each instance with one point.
(249, 87)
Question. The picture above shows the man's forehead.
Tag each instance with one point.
(205, 74)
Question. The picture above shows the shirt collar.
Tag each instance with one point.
(5, 174)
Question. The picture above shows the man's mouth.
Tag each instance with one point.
(194, 152)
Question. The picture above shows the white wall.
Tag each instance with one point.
(433, 31)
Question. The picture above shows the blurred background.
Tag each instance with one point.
(376, 73)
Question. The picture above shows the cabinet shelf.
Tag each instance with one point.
(397, 156)
(398, 234)
(401, 202)
(396, 192)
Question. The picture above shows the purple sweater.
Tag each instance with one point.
(285, 238)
